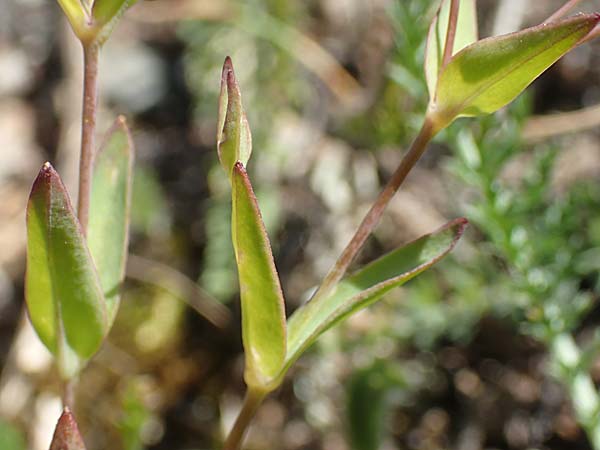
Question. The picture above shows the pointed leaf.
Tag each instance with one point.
(263, 312)
(368, 285)
(66, 434)
(110, 203)
(466, 34)
(234, 140)
(490, 73)
(62, 289)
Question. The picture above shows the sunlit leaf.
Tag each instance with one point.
(466, 34)
(234, 140)
(490, 73)
(110, 204)
(263, 313)
(66, 434)
(62, 289)
(367, 286)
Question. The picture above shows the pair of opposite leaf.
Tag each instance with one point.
(73, 279)
(92, 20)
(480, 77)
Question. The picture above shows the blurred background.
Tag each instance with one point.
(495, 348)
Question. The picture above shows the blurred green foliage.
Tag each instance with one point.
(11, 438)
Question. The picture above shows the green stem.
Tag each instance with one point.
(252, 401)
(581, 388)
(88, 130)
(370, 221)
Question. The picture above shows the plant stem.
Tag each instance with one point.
(88, 129)
(252, 401)
(451, 32)
(564, 9)
(583, 394)
(68, 394)
(372, 218)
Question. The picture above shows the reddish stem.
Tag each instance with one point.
(564, 9)
(374, 215)
(88, 130)
(451, 32)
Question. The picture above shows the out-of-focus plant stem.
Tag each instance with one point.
(566, 354)
(91, 51)
(564, 9)
(428, 130)
(252, 401)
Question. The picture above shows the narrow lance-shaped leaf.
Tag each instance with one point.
(62, 289)
(263, 314)
(367, 286)
(466, 34)
(490, 73)
(110, 203)
(76, 14)
(234, 140)
(66, 434)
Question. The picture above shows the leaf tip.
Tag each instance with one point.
(67, 435)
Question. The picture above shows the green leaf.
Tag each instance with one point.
(62, 289)
(110, 203)
(66, 434)
(263, 311)
(10, 437)
(367, 286)
(466, 34)
(490, 73)
(107, 12)
(234, 140)
(77, 16)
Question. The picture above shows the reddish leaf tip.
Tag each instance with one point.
(66, 434)
(227, 69)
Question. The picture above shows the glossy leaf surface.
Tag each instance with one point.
(490, 73)
(62, 289)
(66, 434)
(263, 313)
(110, 204)
(105, 11)
(367, 286)
(234, 140)
(466, 34)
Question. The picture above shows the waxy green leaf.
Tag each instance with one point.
(234, 140)
(263, 311)
(62, 289)
(466, 34)
(367, 286)
(110, 203)
(66, 434)
(490, 73)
